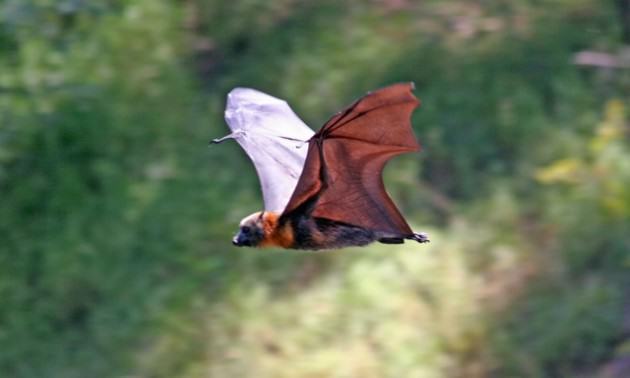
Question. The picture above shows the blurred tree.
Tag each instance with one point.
(115, 217)
(624, 14)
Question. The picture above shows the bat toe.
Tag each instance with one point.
(420, 237)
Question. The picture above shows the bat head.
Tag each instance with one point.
(251, 232)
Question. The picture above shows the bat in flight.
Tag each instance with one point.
(323, 190)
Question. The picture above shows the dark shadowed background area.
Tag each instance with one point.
(116, 217)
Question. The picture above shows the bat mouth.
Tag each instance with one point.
(238, 241)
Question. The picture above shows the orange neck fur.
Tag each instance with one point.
(276, 235)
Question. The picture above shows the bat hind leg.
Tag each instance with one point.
(391, 240)
(420, 237)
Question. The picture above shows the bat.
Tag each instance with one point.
(323, 190)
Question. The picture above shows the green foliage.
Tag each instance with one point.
(579, 312)
(574, 328)
(115, 217)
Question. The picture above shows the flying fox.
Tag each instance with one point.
(323, 190)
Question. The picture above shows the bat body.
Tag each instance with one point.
(338, 197)
(299, 231)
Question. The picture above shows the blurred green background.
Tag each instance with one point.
(116, 217)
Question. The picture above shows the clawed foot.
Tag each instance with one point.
(221, 140)
(420, 237)
(233, 135)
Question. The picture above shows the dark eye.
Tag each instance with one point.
(245, 229)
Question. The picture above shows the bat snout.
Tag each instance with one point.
(235, 241)
(241, 240)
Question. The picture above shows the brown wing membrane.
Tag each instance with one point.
(342, 176)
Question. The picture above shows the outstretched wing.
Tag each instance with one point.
(273, 137)
(343, 170)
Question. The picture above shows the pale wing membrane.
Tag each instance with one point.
(273, 137)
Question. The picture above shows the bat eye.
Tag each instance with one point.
(245, 230)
